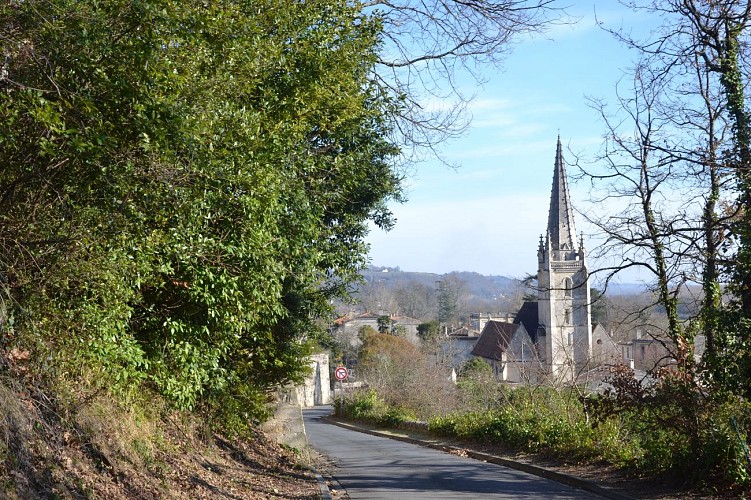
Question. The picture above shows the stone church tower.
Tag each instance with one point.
(564, 335)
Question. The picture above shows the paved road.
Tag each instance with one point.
(371, 467)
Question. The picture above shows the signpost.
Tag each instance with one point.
(341, 374)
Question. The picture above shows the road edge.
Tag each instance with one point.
(323, 485)
(568, 480)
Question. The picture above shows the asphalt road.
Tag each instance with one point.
(372, 467)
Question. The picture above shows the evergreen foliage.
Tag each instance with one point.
(185, 186)
(429, 331)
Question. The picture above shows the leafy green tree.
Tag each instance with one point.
(399, 330)
(187, 186)
(429, 331)
(448, 300)
(365, 332)
(385, 324)
(475, 368)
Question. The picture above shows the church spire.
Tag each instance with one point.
(561, 229)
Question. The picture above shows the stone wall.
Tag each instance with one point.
(316, 390)
(286, 426)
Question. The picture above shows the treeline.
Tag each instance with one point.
(428, 296)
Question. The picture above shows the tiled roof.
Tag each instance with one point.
(494, 339)
(349, 317)
(406, 320)
(463, 332)
(528, 317)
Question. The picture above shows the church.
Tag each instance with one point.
(552, 339)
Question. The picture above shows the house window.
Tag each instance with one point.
(570, 339)
(567, 317)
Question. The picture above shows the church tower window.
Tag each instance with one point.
(568, 286)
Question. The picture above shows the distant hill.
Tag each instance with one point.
(474, 284)
(625, 289)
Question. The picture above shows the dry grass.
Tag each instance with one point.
(99, 449)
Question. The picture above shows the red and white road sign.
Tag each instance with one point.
(340, 373)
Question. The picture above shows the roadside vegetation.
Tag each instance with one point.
(185, 187)
(663, 431)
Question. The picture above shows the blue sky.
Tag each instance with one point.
(487, 215)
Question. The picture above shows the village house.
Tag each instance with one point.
(509, 349)
(456, 347)
(605, 350)
(477, 321)
(347, 327)
(647, 351)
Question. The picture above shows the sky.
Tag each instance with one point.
(488, 214)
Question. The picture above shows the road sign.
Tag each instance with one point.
(340, 373)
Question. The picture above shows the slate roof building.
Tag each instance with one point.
(504, 345)
(552, 337)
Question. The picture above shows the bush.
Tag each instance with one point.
(366, 406)
(395, 416)
(668, 428)
(362, 405)
(674, 427)
(405, 377)
(525, 421)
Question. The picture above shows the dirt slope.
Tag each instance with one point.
(97, 449)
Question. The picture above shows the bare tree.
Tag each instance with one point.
(682, 161)
(377, 298)
(417, 300)
(430, 43)
(658, 195)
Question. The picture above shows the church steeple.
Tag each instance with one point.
(561, 230)
(563, 298)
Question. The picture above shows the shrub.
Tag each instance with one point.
(674, 427)
(395, 416)
(404, 376)
(362, 405)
